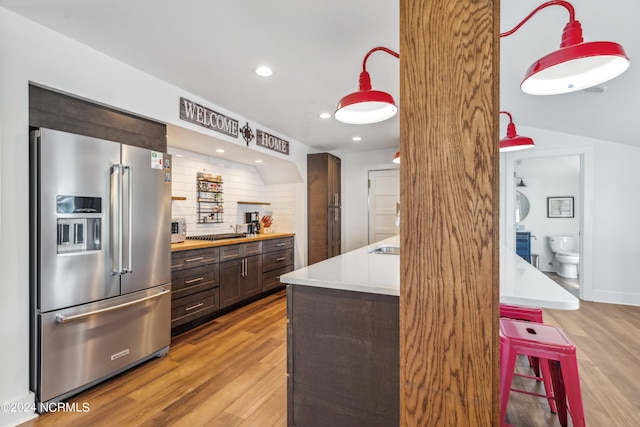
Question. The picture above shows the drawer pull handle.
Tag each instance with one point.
(188, 282)
(280, 244)
(194, 307)
(195, 259)
(281, 259)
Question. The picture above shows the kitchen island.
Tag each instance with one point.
(343, 332)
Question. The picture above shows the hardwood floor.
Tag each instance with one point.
(570, 285)
(232, 372)
(228, 372)
(607, 337)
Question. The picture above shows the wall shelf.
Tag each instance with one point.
(209, 198)
(253, 203)
(178, 198)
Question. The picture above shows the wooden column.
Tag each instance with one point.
(449, 298)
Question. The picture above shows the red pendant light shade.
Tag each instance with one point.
(576, 65)
(396, 158)
(367, 105)
(513, 141)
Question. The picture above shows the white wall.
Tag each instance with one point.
(546, 177)
(612, 201)
(32, 53)
(355, 174)
(241, 182)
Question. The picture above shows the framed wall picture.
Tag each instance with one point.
(560, 207)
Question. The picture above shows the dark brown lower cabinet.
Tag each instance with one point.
(343, 358)
(210, 281)
(240, 279)
(277, 259)
(194, 281)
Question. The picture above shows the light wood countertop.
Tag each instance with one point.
(201, 244)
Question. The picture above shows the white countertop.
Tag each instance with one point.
(361, 271)
(357, 270)
(523, 284)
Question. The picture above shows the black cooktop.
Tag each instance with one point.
(220, 236)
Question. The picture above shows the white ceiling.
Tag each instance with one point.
(210, 48)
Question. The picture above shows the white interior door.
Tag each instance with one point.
(384, 194)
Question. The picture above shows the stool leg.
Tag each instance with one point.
(569, 368)
(535, 364)
(507, 366)
(559, 391)
(547, 381)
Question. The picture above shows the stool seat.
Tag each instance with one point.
(545, 336)
(557, 356)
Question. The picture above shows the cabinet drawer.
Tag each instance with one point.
(193, 258)
(277, 259)
(192, 280)
(277, 244)
(194, 306)
(240, 250)
(271, 279)
(252, 248)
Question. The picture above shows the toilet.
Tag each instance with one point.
(564, 247)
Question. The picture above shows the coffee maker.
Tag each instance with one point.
(252, 219)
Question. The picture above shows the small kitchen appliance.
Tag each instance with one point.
(252, 219)
(178, 230)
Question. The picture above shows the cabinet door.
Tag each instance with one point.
(251, 283)
(230, 291)
(333, 232)
(333, 181)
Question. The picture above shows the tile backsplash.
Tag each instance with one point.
(240, 183)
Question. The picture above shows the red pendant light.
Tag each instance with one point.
(513, 141)
(366, 105)
(576, 65)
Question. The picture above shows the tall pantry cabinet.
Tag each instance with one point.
(323, 206)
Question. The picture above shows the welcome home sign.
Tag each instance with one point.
(205, 117)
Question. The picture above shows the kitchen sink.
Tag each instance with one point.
(386, 249)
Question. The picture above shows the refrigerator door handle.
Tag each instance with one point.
(127, 216)
(64, 319)
(116, 219)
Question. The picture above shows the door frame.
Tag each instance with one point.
(369, 198)
(586, 156)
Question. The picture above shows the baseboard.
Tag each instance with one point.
(622, 298)
(19, 411)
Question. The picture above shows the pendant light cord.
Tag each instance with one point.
(566, 4)
(375, 49)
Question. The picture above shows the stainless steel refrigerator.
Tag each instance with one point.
(100, 260)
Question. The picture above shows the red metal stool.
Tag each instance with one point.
(530, 314)
(557, 355)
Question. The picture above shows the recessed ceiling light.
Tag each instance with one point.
(264, 71)
(258, 161)
(324, 115)
(219, 150)
(356, 139)
(178, 155)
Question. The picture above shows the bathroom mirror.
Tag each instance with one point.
(522, 206)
